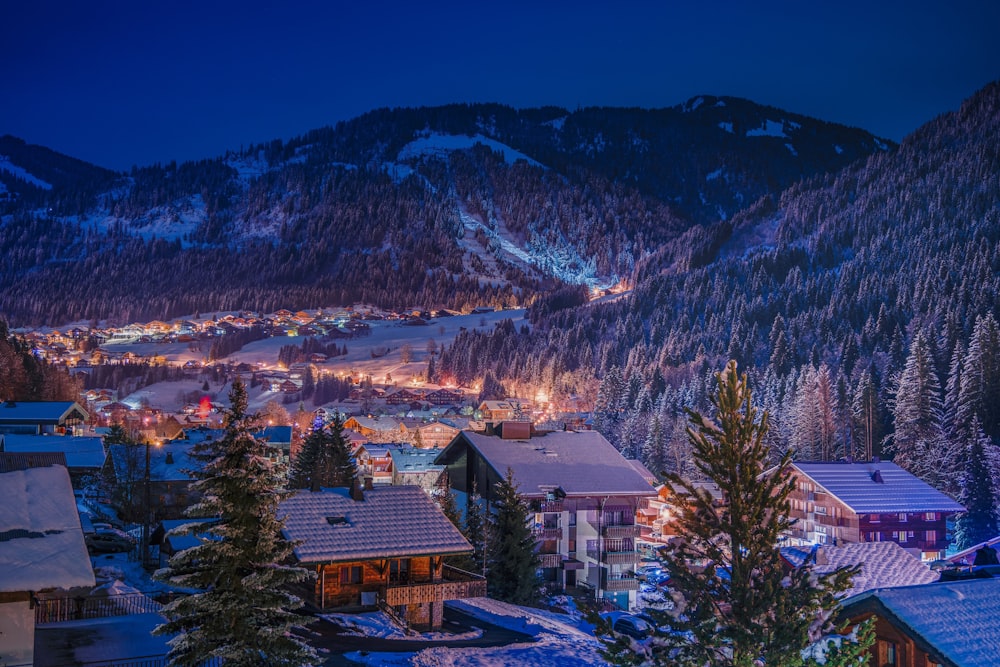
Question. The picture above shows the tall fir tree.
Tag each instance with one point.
(979, 522)
(918, 415)
(325, 459)
(243, 613)
(476, 530)
(743, 606)
(512, 563)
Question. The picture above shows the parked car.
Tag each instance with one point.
(643, 572)
(108, 541)
(632, 626)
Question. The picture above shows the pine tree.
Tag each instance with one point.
(325, 459)
(918, 414)
(512, 563)
(979, 523)
(476, 531)
(243, 614)
(743, 606)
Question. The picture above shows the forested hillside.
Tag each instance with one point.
(865, 304)
(450, 206)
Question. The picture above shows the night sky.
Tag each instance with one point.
(124, 83)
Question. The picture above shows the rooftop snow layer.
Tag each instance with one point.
(883, 564)
(41, 542)
(958, 618)
(854, 484)
(391, 522)
(580, 463)
(80, 452)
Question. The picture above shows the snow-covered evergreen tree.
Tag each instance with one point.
(325, 459)
(243, 613)
(979, 523)
(918, 414)
(979, 395)
(743, 606)
(512, 563)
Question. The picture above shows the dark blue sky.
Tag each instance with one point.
(135, 82)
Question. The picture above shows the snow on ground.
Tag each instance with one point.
(377, 624)
(440, 144)
(771, 128)
(100, 639)
(561, 640)
(23, 174)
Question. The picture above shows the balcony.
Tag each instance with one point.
(620, 583)
(550, 560)
(614, 557)
(621, 531)
(547, 533)
(455, 585)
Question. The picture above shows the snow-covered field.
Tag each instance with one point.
(561, 640)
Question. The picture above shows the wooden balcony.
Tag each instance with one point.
(621, 583)
(621, 531)
(456, 585)
(614, 557)
(550, 560)
(547, 533)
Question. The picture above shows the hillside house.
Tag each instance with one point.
(835, 503)
(42, 417)
(511, 409)
(84, 455)
(584, 494)
(169, 483)
(944, 624)
(415, 467)
(379, 547)
(41, 548)
(374, 462)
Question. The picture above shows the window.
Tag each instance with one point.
(931, 536)
(351, 574)
(930, 516)
(820, 509)
(887, 654)
(902, 517)
(874, 518)
(902, 537)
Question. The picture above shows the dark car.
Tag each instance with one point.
(631, 626)
(108, 541)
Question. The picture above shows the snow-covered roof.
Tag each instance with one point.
(377, 423)
(581, 463)
(41, 542)
(275, 435)
(967, 556)
(161, 467)
(81, 452)
(37, 412)
(957, 618)
(883, 564)
(413, 459)
(892, 490)
(391, 522)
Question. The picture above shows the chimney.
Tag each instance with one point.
(357, 492)
(877, 477)
(369, 484)
(170, 458)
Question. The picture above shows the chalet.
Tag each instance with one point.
(434, 434)
(945, 624)
(416, 467)
(510, 409)
(584, 494)
(656, 515)
(279, 439)
(41, 548)
(402, 397)
(834, 503)
(374, 463)
(169, 481)
(84, 455)
(382, 547)
(41, 417)
(444, 397)
(374, 427)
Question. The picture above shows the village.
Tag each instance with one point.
(599, 520)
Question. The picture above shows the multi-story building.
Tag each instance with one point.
(842, 502)
(584, 494)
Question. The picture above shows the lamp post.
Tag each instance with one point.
(147, 510)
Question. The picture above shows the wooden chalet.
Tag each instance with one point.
(841, 502)
(379, 548)
(444, 397)
(41, 417)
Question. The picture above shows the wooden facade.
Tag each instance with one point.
(895, 647)
(414, 588)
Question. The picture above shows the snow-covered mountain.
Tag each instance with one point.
(452, 205)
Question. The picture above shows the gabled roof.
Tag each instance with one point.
(41, 542)
(81, 452)
(955, 619)
(856, 485)
(581, 463)
(38, 412)
(883, 564)
(413, 459)
(160, 469)
(391, 522)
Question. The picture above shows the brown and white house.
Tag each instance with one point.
(379, 548)
(836, 503)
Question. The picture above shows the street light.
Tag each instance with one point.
(146, 512)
